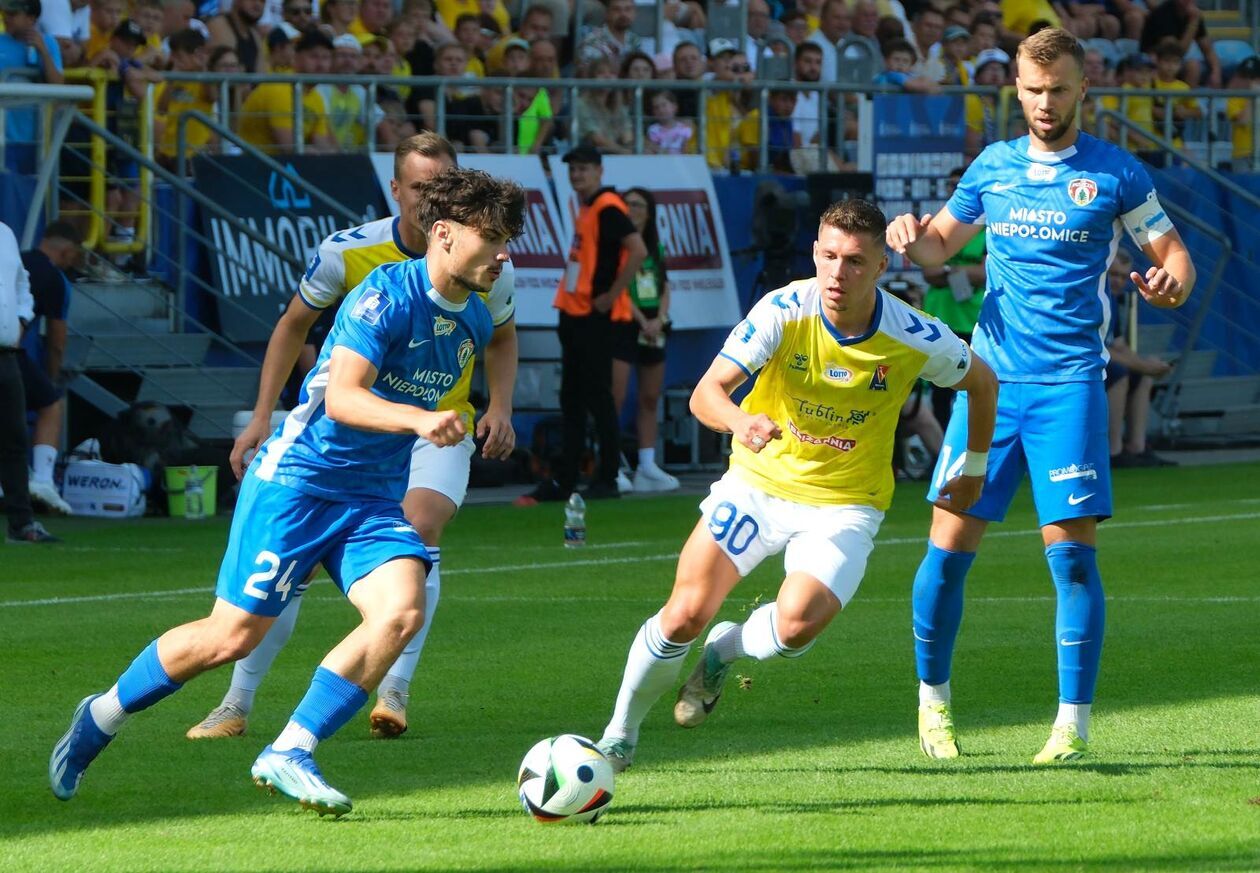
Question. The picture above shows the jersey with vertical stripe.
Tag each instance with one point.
(421, 344)
(1053, 222)
(836, 399)
(345, 258)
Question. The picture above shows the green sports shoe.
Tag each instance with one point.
(936, 731)
(1065, 744)
(618, 751)
(699, 694)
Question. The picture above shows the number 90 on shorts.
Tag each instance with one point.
(830, 543)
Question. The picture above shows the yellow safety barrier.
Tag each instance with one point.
(98, 179)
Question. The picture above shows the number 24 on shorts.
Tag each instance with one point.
(727, 524)
(254, 585)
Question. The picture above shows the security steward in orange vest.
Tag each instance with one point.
(605, 257)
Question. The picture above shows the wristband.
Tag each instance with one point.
(975, 463)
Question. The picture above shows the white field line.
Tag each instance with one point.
(666, 556)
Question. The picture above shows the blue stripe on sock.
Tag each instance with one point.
(330, 702)
(658, 645)
(1079, 620)
(145, 682)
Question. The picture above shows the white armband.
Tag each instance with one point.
(975, 463)
(1147, 222)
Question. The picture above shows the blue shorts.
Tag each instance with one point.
(279, 535)
(1057, 433)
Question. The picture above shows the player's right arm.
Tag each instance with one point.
(961, 493)
(931, 240)
(322, 285)
(711, 403)
(349, 401)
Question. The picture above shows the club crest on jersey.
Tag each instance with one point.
(1082, 191)
(370, 307)
(839, 375)
(465, 353)
(442, 326)
(879, 379)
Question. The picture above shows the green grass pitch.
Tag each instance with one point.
(814, 766)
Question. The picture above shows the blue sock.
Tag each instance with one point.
(145, 682)
(938, 609)
(330, 702)
(1079, 619)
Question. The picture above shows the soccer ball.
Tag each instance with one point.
(565, 778)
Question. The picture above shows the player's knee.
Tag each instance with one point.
(683, 619)
(797, 632)
(402, 623)
(430, 529)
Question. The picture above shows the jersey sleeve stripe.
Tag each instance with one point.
(308, 302)
(737, 363)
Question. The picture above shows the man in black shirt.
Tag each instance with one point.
(1182, 20)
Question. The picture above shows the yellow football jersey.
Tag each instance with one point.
(346, 257)
(836, 399)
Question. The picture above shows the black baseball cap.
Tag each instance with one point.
(30, 7)
(584, 154)
(131, 32)
(1250, 68)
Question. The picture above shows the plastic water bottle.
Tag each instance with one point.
(194, 495)
(575, 522)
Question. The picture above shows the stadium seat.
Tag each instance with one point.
(1106, 48)
(1126, 47)
(1232, 52)
(859, 63)
(725, 22)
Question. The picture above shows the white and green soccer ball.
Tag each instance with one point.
(565, 778)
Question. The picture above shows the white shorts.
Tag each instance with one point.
(830, 543)
(443, 469)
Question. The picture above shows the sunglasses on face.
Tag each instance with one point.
(299, 10)
(741, 68)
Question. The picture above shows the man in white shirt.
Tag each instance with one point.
(834, 24)
(17, 308)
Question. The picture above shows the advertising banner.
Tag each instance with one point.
(538, 253)
(697, 258)
(285, 214)
(917, 141)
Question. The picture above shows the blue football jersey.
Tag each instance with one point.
(420, 343)
(1053, 223)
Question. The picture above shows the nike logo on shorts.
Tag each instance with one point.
(1073, 642)
(1073, 500)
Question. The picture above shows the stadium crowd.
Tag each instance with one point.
(916, 45)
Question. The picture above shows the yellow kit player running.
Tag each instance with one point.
(438, 480)
(811, 466)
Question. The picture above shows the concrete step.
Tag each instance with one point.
(1198, 364)
(1217, 395)
(1230, 31)
(106, 302)
(201, 386)
(214, 422)
(137, 351)
(1231, 422)
(1153, 339)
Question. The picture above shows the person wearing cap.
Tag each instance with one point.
(345, 103)
(604, 258)
(24, 46)
(980, 111)
(267, 114)
(613, 39)
(535, 24)
(189, 54)
(955, 46)
(1168, 59)
(1241, 111)
(280, 42)
(725, 108)
(238, 29)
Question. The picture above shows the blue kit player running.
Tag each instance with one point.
(326, 488)
(1053, 205)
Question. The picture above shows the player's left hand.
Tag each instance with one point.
(960, 493)
(499, 435)
(1159, 287)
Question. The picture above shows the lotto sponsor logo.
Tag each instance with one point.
(538, 245)
(840, 444)
(688, 229)
(839, 375)
(1042, 172)
(442, 326)
(1073, 471)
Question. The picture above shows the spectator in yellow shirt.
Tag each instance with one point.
(149, 15)
(1242, 112)
(189, 54)
(452, 10)
(267, 116)
(1136, 72)
(105, 17)
(339, 16)
(1168, 58)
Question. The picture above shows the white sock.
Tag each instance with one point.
(294, 736)
(647, 457)
(929, 694)
(652, 667)
(249, 672)
(1077, 714)
(730, 645)
(107, 712)
(399, 676)
(760, 640)
(43, 460)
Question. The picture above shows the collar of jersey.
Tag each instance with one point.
(442, 303)
(1050, 157)
(863, 337)
(399, 243)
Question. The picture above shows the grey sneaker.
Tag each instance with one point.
(700, 693)
(618, 751)
(222, 721)
(33, 532)
(388, 720)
